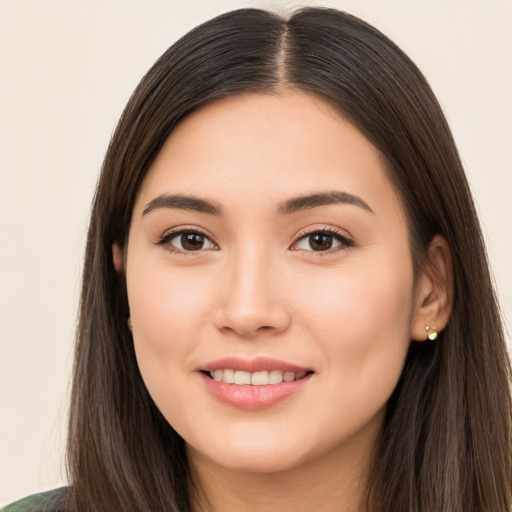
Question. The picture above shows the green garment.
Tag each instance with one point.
(49, 501)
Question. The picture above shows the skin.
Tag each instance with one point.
(256, 288)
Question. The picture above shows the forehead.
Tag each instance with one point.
(273, 146)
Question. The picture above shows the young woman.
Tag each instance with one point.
(286, 301)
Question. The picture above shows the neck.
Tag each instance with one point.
(335, 482)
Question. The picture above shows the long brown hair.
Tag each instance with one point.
(446, 440)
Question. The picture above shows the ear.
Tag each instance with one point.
(434, 293)
(118, 258)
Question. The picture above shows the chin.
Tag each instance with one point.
(256, 460)
(263, 453)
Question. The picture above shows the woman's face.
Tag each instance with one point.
(266, 244)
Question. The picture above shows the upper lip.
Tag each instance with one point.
(258, 364)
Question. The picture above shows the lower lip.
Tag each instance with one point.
(254, 397)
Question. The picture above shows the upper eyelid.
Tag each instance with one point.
(346, 240)
(174, 232)
(327, 229)
(186, 229)
(303, 233)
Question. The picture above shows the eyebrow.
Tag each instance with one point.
(310, 201)
(296, 204)
(181, 202)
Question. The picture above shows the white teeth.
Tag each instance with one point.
(242, 378)
(275, 377)
(229, 376)
(289, 377)
(259, 378)
(262, 378)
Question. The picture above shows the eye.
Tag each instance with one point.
(186, 241)
(322, 241)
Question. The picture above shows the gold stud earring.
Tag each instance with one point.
(431, 333)
(130, 325)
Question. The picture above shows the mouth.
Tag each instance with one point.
(254, 384)
(260, 378)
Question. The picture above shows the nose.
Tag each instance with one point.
(253, 302)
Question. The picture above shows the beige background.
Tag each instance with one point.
(67, 68)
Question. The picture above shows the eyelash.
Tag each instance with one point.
(342, 239)
(166, 239)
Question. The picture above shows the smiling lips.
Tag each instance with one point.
(254, 384)
(262, 378)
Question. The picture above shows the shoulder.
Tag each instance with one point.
(49, 501)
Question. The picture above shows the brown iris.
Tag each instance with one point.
(320, 241)
(192, 241)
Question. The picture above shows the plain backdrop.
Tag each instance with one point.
(67, 67)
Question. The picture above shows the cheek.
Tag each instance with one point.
(164, 302)
(359, 298)
(362, 320)
(168, 311)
